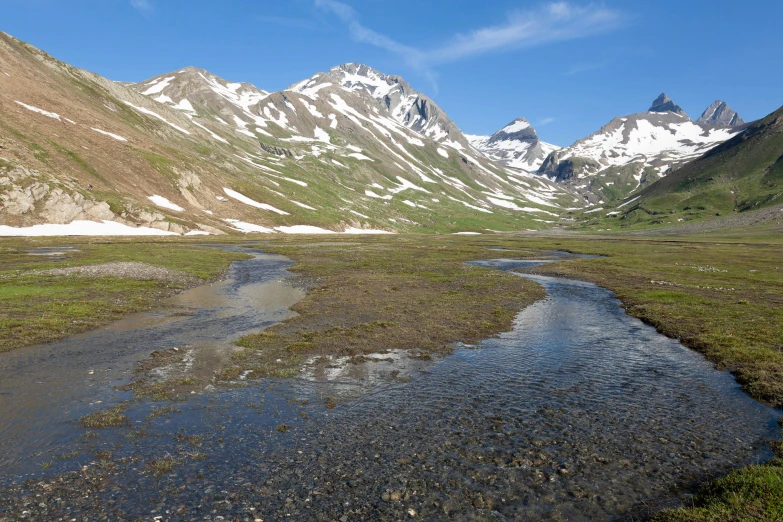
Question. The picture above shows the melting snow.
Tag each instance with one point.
(322, 135)
(165, 203)
(310, 92)
(247, 227)
(82, 228)
(39, 111)
(358, 156)
(359, 214)
(505, 204)
(312, 109)
(443, 153)
(516, 127)
(374, 195)
(304, 229)
(115, 136)
(185, 105)
(247, 201)
(158, 85)
(352, 230)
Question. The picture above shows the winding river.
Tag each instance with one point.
(579, 413)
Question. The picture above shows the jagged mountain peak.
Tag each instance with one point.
(665, 104)
(719, 114)
(389, 93)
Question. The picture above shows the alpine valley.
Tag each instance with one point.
(351, 150)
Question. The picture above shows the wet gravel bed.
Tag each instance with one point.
(126, 270)
(579, 413)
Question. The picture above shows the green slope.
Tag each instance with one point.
(743, 174)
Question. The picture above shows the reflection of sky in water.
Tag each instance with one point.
(45, 389)
(579, 412)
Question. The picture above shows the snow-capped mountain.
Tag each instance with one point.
(631, 152)
(719, 114)
(516, 145)
(399, 100)
(188, 152)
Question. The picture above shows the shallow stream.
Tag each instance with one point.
(579, 413)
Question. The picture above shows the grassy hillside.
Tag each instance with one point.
(740, 175)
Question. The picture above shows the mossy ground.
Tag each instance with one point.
(39, 308)
(414, 293)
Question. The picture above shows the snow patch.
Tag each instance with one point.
(158, 85)
(247, 227)
(247, 201)
(33, 108)
(165, 203)
(304, 229)
(115, 136)
(352, 230)
(82, 228)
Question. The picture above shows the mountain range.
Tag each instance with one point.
(348, 150)
(631, 152)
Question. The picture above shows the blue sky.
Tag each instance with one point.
(569, 67)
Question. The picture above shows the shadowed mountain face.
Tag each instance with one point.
(719, 114)
(664, 104)
(351, 149)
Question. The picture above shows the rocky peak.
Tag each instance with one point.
(665, 104)
(719, 114)
(518, 130)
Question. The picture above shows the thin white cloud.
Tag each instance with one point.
(145, 7)
(363, 34)
(545, 121)
(552, 22)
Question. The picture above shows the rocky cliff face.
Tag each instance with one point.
(664, 104)
(719, 114)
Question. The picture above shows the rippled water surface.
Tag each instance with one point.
(45, 389)
(580, 413)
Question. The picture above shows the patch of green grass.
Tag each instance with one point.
(163, 466)
(40, 308)
(751, 494)
(352, 310)
(79, 161)
(111, 418)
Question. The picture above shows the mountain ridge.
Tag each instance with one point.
(632, 152)
(189, 152)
